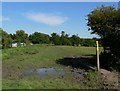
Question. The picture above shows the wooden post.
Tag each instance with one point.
(97, 53)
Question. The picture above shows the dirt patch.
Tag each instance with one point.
(106, 79)
(110, 79)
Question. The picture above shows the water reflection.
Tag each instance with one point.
(54, 72)
(44, 72)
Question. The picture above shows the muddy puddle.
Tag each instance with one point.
(52, 72)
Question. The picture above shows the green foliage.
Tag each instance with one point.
(88, 42)
(109, 61)
(55, 39)
(39, 38)
(75, 40)
(115, 43)
(21, 36)
(6, 39)
(0, 38)
(64, 38)
(105, 22)
(102, 20)
(92, 79)
(60, 40)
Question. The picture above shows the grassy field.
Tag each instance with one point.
(16, 60)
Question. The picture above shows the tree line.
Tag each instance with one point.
(40, 38)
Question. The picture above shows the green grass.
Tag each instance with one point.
(40, 84)
(92, 79)
(16, 60)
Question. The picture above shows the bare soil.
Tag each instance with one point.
(107, 79)
(110, 79)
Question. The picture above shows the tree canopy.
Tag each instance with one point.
(21, 36)
(105, 22)
(39, 38)
(6, 39)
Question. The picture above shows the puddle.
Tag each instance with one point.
(44, 72)
(53, 72)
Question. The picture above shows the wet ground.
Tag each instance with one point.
(43, 72)
(53, 72)
(74, 67)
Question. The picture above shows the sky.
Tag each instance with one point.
(49, 17)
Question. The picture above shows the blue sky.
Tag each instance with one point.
(49, 17)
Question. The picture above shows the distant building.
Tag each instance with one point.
(22, 44)
(14, 44)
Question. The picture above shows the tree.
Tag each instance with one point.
(21, 36)
(39, 38)
(55, 38)
(1, 37)
(6, 39)
(105, 22)
(13, 36)
(75, 40)
(87, 42)
(67, 40)
(64, 38)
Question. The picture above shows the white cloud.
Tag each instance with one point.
(45, 18)
(2, 18)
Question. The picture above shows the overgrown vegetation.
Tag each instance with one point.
(92, 79)
(105, 22)
(41, 38)
(5, 39)
(17, 60)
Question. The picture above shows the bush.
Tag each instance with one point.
(109, 61)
